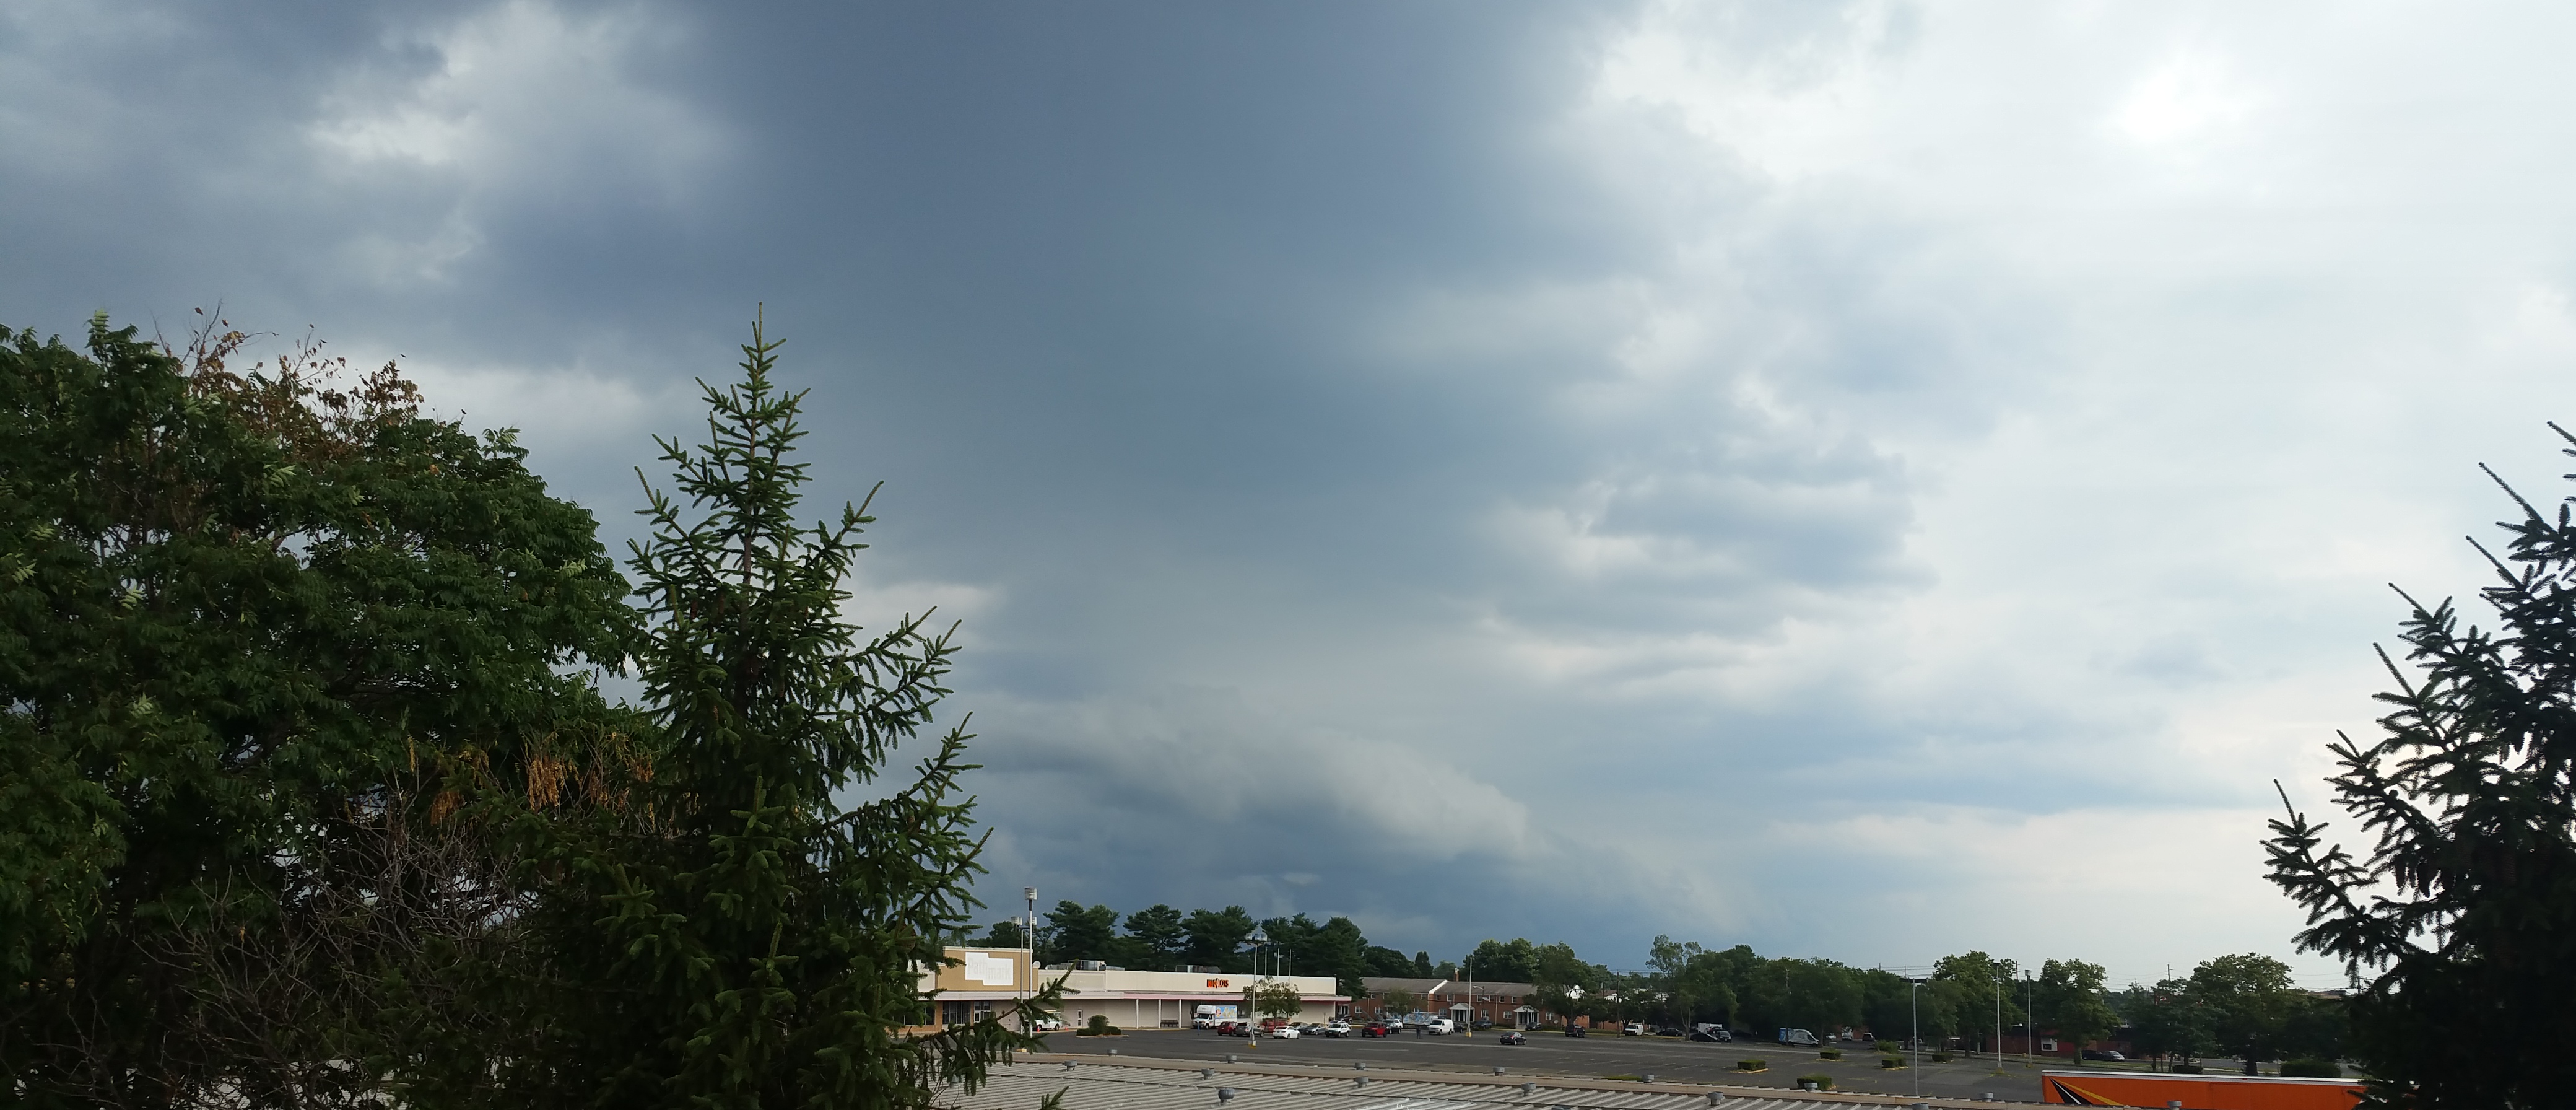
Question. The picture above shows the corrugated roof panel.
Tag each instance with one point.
(1111, 1087)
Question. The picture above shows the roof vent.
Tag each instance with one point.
(1498, 1071)
(1224, 1095)
(1715, 1097)
(1650, 1077)
(1529, 1088)
(1207, 1073)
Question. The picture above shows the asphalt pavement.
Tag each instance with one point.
(1593, 1057)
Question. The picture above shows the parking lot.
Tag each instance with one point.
(1594, 1057)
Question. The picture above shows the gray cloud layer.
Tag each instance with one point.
(1860, 479)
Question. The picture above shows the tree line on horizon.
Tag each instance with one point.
(2243, 1006)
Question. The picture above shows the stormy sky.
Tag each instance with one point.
(1866, 480)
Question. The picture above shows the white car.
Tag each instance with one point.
(1047, 1025)
(1338, 1029)
(1285, 1032)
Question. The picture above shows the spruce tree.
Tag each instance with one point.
(2465, 903)
(744, 939)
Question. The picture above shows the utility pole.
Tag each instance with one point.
(2030, 1023)
(1999, 1022)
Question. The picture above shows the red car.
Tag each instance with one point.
(1376, 1029)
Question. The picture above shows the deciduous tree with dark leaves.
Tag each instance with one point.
(262, 631)
(2463, 903)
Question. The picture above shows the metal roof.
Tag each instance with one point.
(1179, 1085)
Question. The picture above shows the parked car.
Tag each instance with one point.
(1632, 1029)
(1711, 1033)
(1799, 1038)
(1047, 1025)
(2102, 1054)
(1515, 1036)
(1574, 1030)
(1335, 1029)
(1667, 1031)
(1484, 1023)
(1234, 1029)
(1285, 1032)
(1377, 1029)
(1440, 1027)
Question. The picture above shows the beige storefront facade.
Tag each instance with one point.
(982, 981)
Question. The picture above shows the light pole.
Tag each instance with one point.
(1470, 1030)
(1029, 938)
(1999, 1023)
(2030, 1023)
(1915, 992)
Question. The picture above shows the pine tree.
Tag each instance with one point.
(2466, 902)
(746, 940)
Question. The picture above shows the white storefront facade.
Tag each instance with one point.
(1166, 999)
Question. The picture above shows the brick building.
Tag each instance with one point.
(1509, 1005)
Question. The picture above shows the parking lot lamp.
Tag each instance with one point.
(1914, 990)
(1999, 1022)
(2030, 1023)
(1029, 937)
(1470, 1030)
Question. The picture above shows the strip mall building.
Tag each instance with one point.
(994, 980)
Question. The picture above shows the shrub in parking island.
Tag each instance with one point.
(1822, 1081)
(1891, 1061)
(1890, 1047)
(1941, 1056)
(1830, 1054)
(1099, 1026)
(1751, 1065)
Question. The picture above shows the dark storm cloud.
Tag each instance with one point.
(1439, 462)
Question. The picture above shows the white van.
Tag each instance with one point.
(1799, 1038)
(1439, 1027)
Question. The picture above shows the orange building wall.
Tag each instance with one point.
(2196, 1092)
